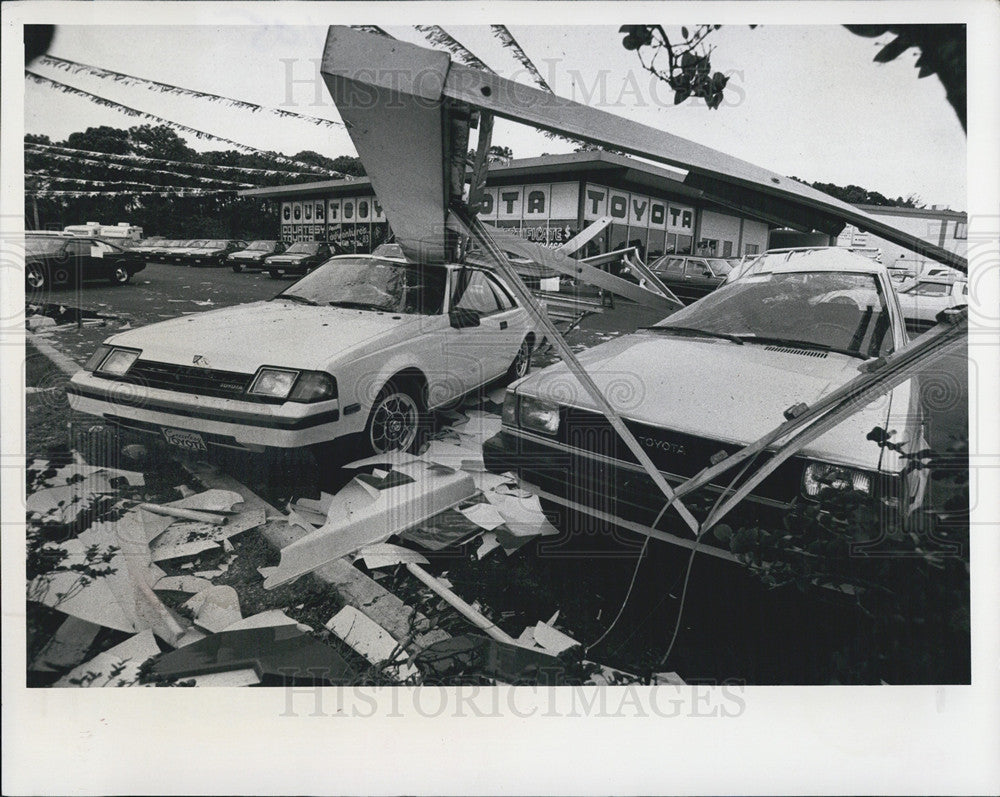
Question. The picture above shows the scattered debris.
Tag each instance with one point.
(189, 584)
(116, 667)
(552, 639)
(459, 605)
(361, 515)
(372, 641)
(215, 608)
(489, 543)
(507, 662)
(384, 554)
(67, 647)
(266, 619)
(280, 653)
(483, 515)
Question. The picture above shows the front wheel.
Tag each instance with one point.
(397, 422)
(522, 362)
(120, 276)
(34, 276)
(237, 268)
(273, 274)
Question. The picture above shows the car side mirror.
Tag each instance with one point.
(461, 317)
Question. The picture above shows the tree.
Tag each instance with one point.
(499, 154)
(942, 52)
(101, 139)
(160, 141)
(689, 65)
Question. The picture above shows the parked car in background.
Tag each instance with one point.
(253, 256)
(213, 253)
(355, 354)
(299, 258)
(179, 254)
(144, 249)
(711, 378)
(691, 277)
(58, 260)
(923, 298)
(163, 252)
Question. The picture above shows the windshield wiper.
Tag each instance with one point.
(359, 305)
(805, 344)
(695, 331)
(294, 297)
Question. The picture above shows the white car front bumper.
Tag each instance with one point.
(218, 421)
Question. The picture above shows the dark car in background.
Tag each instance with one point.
(213, 252)
(691, 277)
(58, 260)
(254, 255)
(145, 249)
(300, 258)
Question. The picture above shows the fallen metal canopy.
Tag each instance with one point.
(420, 96)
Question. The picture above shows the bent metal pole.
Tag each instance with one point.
(477, 230)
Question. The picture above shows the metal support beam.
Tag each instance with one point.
(478, 231)
(557, 261)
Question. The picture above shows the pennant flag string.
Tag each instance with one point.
(121, 167)
(132, 158)
(508, 41)
(182, 192)
(76, 67)
(372, 29)
(133, 112)
(49, 179)
(438, 35)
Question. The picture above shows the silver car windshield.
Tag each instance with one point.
(373, 284)
(303, 248)
(836, 310)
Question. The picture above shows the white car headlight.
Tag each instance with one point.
(118, 361)
(273, 382)
(820, 476)
(539, 416)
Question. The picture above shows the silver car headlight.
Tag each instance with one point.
(820, 476)
(273, 382)
(117, 361)
(509, 416)
(538, 415)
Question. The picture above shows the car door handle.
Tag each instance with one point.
(503, 325)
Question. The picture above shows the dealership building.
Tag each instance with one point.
(547, 200)
(551, 198)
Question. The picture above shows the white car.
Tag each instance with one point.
(355, 354)
(922, 299)
(711, 378)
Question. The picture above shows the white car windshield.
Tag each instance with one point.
(303, 248)
(838, 311)
(261, 246)
(372, 284)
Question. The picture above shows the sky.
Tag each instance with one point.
(806, 101)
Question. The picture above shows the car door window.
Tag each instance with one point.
(78, 248)
(672, 267)
(698, 268)
(503, 297)
(475, 293)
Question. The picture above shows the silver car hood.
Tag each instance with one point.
(720, 390)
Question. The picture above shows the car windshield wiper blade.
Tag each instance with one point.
(805, 344)
(294, 297)
(695, 331)
(359, 305)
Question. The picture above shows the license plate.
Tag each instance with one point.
(182, 438)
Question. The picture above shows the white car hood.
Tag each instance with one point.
(719, 390)
(281, 333)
